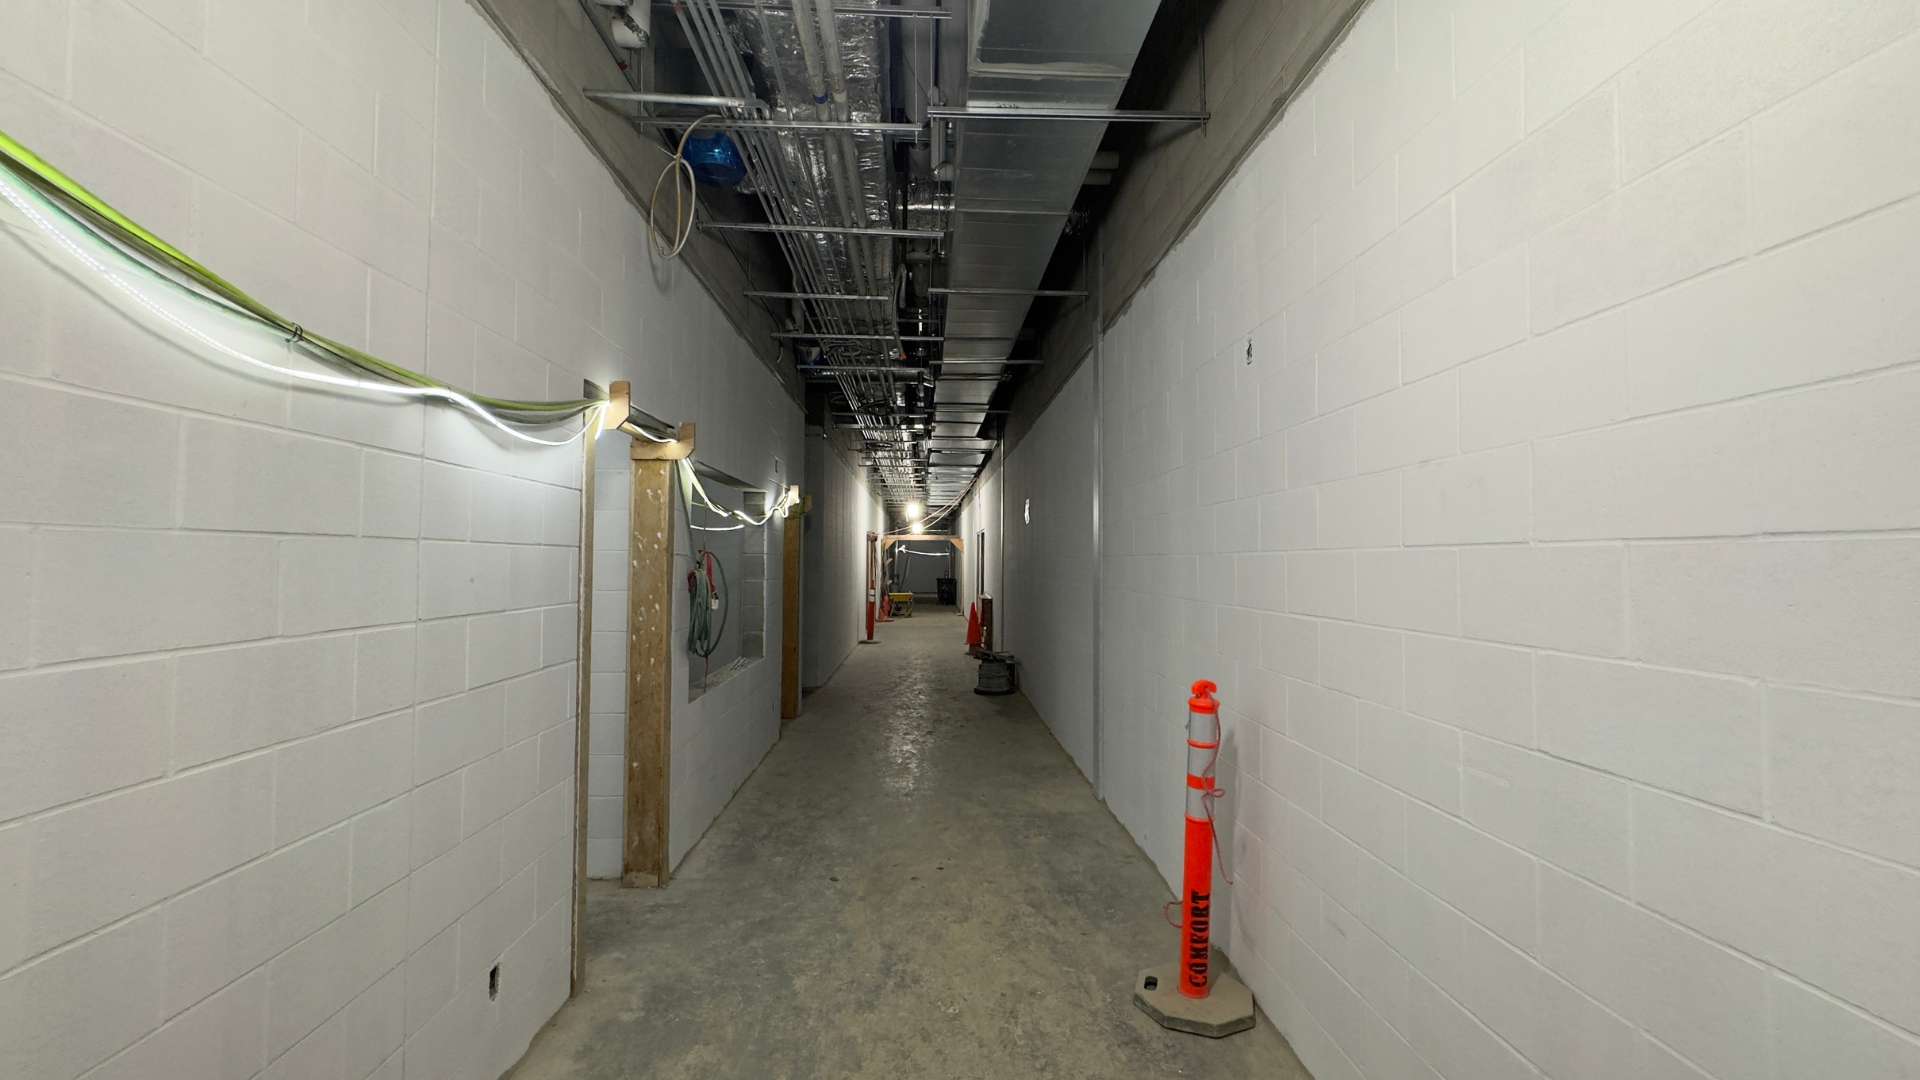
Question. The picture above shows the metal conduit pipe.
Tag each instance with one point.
(806, 265)
(815, 267)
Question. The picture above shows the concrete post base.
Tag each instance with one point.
(1227, 1008)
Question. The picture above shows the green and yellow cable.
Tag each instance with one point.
(96, 213)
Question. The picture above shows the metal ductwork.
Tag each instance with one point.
(907, 260)
(1015, 180)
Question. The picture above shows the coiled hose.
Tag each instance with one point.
(707, 603)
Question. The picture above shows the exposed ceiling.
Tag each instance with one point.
(915, 166)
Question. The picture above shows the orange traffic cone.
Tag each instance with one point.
(973, 627)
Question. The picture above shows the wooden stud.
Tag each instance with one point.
(791, 530)
(645, 449)
(650, 661)
(583, 668)
(959, 543)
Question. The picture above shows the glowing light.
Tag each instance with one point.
(915, 510)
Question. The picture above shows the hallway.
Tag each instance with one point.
(916, 883)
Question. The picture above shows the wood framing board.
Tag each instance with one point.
(959, 544)
(791, 530)
(583, 711)
(649, 667)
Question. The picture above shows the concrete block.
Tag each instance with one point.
(187, 116)
(1563, 167)
(1689, 217)
(1361, 365)
(545, 821)
(493, 925)
(1694, 734)
(1482, 310)
(383, 671)
(1423, 251)
(1362, 661)
(1488, 880)
(1570, 598)
(249, 479)
(1320, 583)
(232, 925)
(502, 646)
(230, 701)
(83, 461)
(1470, 685)
(79, 732)
(102, 593)
(222, 1038)
(1587, 42)
(1417, 422)
(286, 267)
(1478, 498)
(1321, 450)
(1814, 1031)
(1365, 811)
(1413, 755)
(434, 810)
(100, 861)
(1448, 1037)
(1362, 512)
(1736, 60)
(1413, 589)
(1291, 645)
(441, 665)
(1558, 1028)
(1694, 474)
(1837, 769)
(1841, 147)
(66, 1014)
(498, 784)
(341, 200)
(1287, 519)
(1829, 917)
(1569, 380)
(311, 981)
(1324, 858)
(329, 778)
(429, 977)
(1323, 721)
(1836, 613)
(389, 496)
(1483, 121)
(337, 583)
(1837, 450)
(457, 731)
(1829, 305)
(382, 847)
(460, 579)
(1703, 1000)
(1570, 816)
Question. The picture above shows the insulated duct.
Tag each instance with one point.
(1015, 181)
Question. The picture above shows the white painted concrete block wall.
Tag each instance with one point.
(1047, 604)
(1554, 551)
(834, 554)
(720, 735)
(288, 678)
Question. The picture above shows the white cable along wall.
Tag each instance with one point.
(288, 672)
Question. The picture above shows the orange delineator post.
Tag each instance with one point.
(1203, 751)
(872, 539)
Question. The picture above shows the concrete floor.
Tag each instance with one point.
(916, 883)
